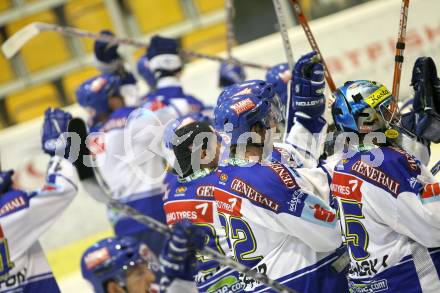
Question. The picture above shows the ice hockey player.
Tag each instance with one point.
(389, 208)
(101, 95)
(286, 232)
(26, 215)
(166, 65)
(120, 265)
(304, 141)
(190, 193)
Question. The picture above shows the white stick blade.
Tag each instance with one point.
(19, 39)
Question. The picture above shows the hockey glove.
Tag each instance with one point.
(424, 120)
(177, 259)
(6, 180)
(231, 74)
(307, 92)
(55, 123)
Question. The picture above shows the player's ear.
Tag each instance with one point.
(115, 102)
(259, 130)
(113, 287)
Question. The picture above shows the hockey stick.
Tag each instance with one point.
(24, 35)
(77, 125)
(284, 35)
(230, 36)
(305, 25)
(398, 59)
(290, 60)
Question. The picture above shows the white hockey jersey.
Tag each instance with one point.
(275, 224)
(24, 217)
(129, 156)
(390, 219)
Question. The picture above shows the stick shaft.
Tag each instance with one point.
(71, 31)
(400, 47)
(305, 25)
(230, 36)
(284, 34)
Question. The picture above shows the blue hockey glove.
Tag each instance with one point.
(424, 120)
(106, 52)
(308, 85)
(6, 180)
(55, 123)
(177, 259)
(231, 74)
(307, 92)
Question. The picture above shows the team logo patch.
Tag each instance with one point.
(245, 91)
(227, 203)
(243, 106)
(346, 186)
(376, 175)
(252, 194)
(197, 211)
(226, 284)
(377, 97)
(223, 177)
(205, 191)
(181, 189)
(284, 175)
(323, 214)
(296, 204)
(96, 258)
(98, 84)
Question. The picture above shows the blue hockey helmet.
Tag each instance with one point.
(230, 74)
(95, 92)
(242, 112)
(362, 106)
(111, 259)
(279, 75)
(144, 70)
(256, 86)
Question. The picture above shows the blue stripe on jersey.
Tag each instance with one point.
(319, 277)
(401, 277)
(44, 283)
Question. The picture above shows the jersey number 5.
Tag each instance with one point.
(5, 261)
(355, 234)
